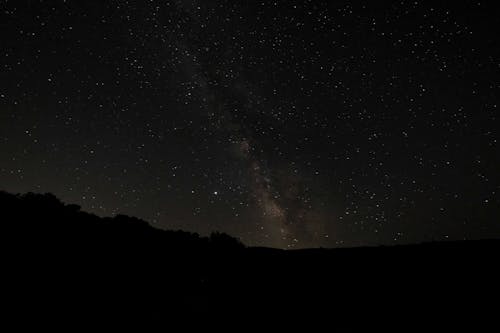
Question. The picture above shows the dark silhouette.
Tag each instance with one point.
(64, 267)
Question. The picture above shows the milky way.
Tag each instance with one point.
(288, 123)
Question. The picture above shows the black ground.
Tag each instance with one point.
(67, 268)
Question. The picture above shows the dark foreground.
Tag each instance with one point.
(68, 269)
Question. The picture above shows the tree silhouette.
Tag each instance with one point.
(63, 265)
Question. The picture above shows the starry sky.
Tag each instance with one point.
(288, 124)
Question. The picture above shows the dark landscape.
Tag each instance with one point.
(263, 166)
(68, 267)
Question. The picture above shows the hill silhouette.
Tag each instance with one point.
(64, 266)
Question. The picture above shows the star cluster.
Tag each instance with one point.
(285, 123)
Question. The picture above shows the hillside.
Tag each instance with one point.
(67, 266)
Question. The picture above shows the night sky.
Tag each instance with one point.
(285, 123)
